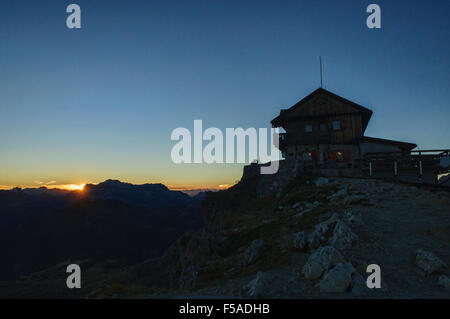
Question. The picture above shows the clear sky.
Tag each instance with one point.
(80, 106)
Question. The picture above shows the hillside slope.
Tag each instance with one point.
(316, 239)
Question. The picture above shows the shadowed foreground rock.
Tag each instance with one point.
(320, 261)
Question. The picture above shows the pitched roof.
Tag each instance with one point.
(376, 140)
(365, 112)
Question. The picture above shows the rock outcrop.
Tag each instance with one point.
(259, 287)
(337, 279)
(299, 241)
(343, 237)
(314, 240)
(253, 252)
(429, 262)
(320, 261)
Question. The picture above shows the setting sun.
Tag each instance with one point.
(74, 187)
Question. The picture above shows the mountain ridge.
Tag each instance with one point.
(109, 220)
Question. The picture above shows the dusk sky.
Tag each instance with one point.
(81, 106)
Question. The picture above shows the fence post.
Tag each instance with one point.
(395, 168)
(370, 168)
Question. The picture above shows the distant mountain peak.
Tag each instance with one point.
(115, 183)
(147, 195)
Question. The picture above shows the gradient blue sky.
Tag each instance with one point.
(80, 106)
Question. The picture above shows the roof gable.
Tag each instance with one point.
(345, 106)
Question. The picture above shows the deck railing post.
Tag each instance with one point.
(420, 171)
(395, 168)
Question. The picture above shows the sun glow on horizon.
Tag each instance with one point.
(80, 187)
(70, 187)
(199, 188)
(76, 187)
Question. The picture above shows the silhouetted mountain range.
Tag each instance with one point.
(146, 195)
(111, 220)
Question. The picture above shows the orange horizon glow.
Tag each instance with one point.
(80, 187)
(193, 188)
(74, 187)
(69, 187)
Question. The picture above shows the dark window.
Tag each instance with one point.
(323, 127)
(336, 125)
(308, 128)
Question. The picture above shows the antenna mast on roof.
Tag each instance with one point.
(320, 58)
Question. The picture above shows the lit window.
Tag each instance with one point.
(336, 125)
(308, 128)
(340, 156)
(307, 156)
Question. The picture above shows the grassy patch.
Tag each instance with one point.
(243, 239)
(299, 182)
(303, 189)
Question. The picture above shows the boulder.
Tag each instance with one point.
(321, 181)
(338, 279)
(343, 237)
(325, 227)
(320, 261)
(429, 262)
(258, 287)
(253, 252)
(299, 241)
(315, 239)
(322, 231)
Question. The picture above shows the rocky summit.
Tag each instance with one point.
(317, 237)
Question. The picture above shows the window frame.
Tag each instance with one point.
(333, 125)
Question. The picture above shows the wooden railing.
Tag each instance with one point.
(420, 161)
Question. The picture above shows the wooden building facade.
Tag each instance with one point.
(326, 130)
